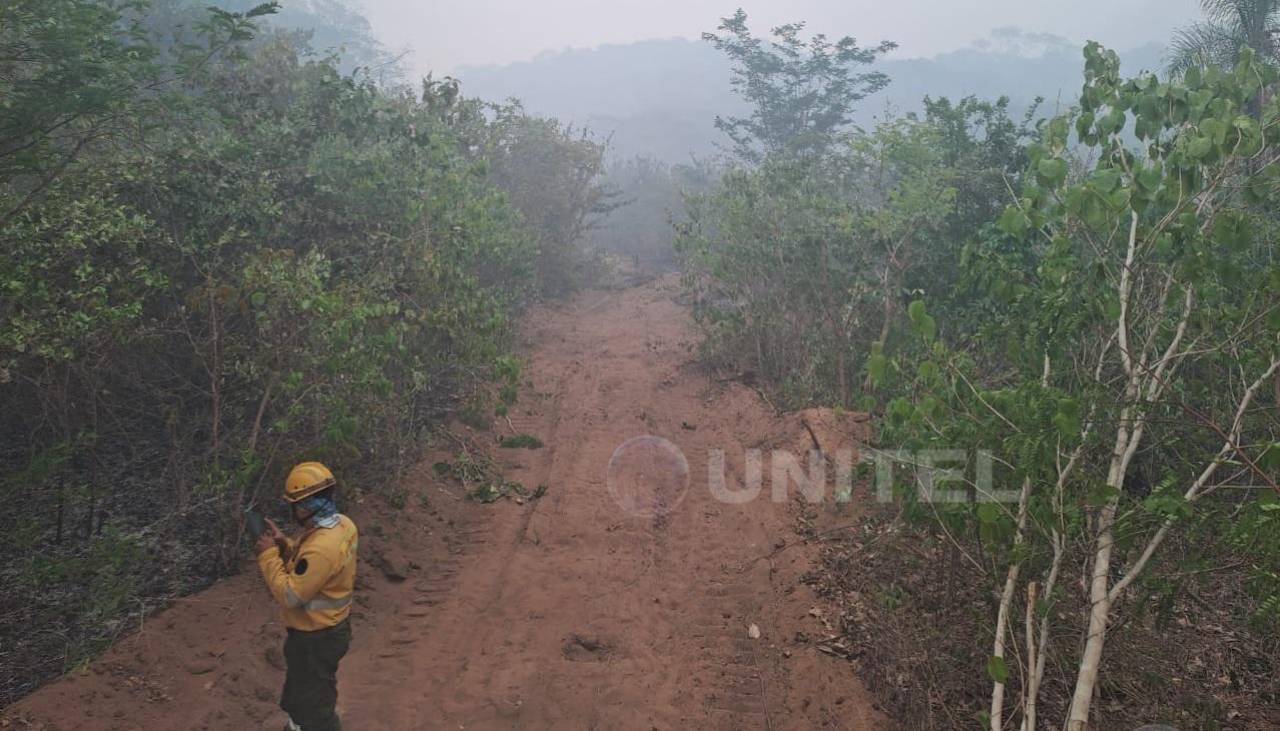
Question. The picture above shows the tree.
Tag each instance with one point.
(551, 174)
(70, 73)
(802, 91)
(818, 253)
(1138, 323)
(221, 255)
(80, 74)
(1229, 27)
(809, 254)
(324, 28)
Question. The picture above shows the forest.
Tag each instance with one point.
(228, 247)
(1090, 297)
(223, 254)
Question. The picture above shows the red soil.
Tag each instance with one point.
(560, 612)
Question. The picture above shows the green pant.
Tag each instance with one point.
(311, 679)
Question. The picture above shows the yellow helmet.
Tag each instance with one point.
(306, 480)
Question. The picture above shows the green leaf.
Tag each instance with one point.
(1067, 418)
(270, 8)
(1215, 130)
(1056, 133)
(1101, 494)
(1199, 148)
(916, 311)
(1084, 123)
(1233, 231)
(1166, 506)
(1014, 222)
(928, 371)
(1270, 457)
(997, 670)
(1106, 179)
(1150, 178)
(1112, 123)
(1112, 309)
(900, 409)
(928, 327)
(988, 513)
(1273, 320)
(930, 407)
(1052, 172)
(876, 366)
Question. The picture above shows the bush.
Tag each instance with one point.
(237, 257)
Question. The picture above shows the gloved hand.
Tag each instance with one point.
(272, 536)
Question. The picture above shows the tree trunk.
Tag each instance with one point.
(62, 508)
(215, 370)
(1002, 623)
(1099, 589)
(844, 378)
(1033, 687)
(884, 326)
(1006, 601)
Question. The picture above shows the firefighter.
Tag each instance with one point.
(312, 576)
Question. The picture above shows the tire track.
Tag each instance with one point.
(563, 612)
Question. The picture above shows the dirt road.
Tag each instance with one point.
(563, 612)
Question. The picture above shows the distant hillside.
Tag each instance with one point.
(660, 97)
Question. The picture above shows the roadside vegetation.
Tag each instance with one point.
(1091, 297)
(229, 245)
(223, 253)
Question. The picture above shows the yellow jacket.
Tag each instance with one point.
(315, 584)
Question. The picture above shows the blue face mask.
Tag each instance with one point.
(324, 511)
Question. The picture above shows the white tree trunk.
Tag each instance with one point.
(1032, 687)
(1128, 435)
(1002, 624)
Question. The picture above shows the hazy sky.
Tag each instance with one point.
(446, 34)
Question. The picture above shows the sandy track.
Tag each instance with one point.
(565, 612)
